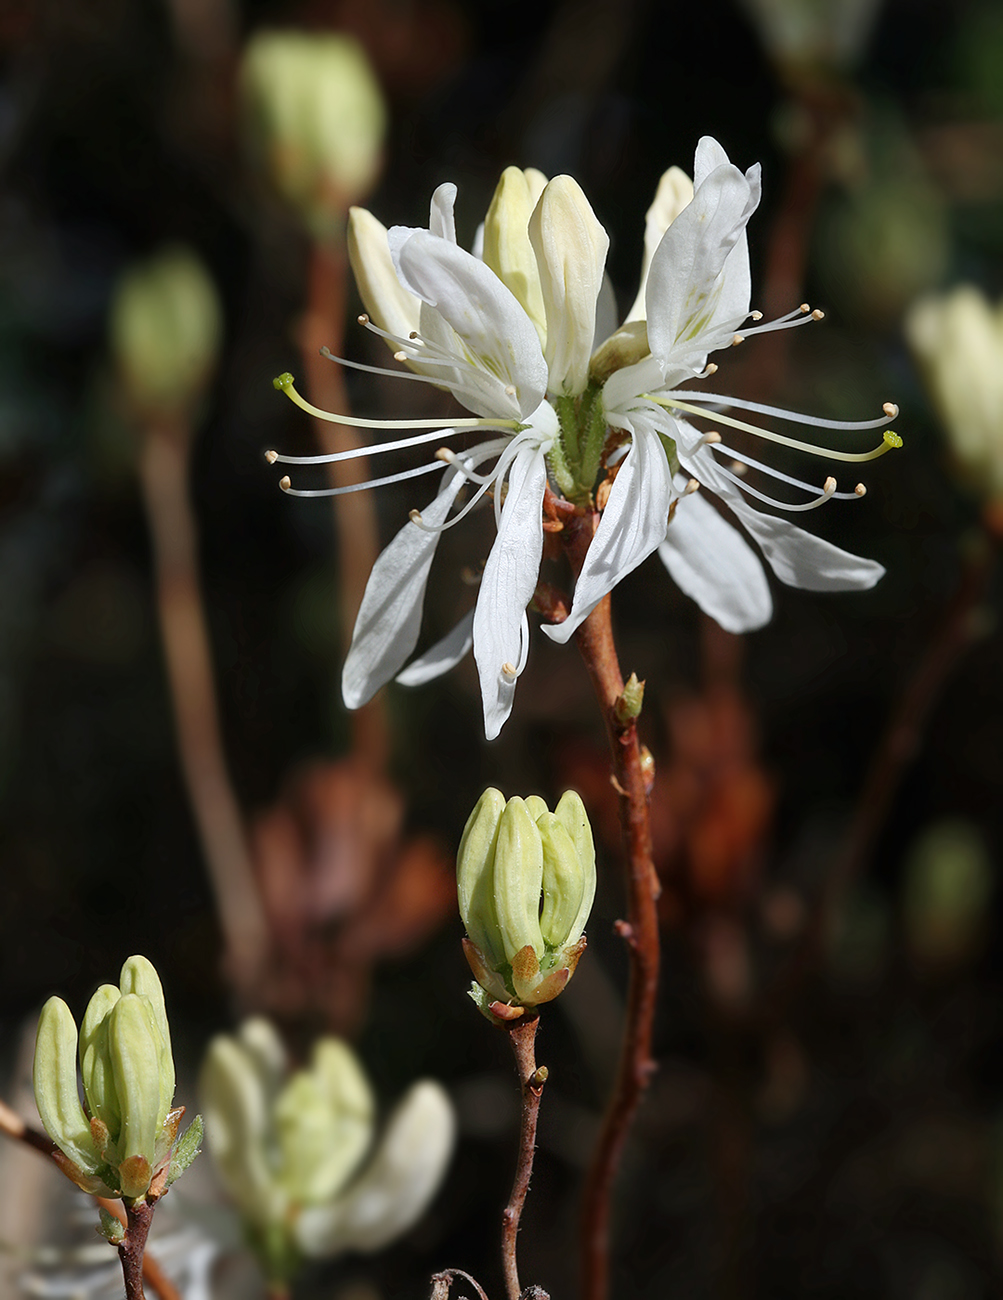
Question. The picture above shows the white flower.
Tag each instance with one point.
(511, 335)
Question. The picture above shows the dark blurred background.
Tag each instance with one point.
(847, 1139)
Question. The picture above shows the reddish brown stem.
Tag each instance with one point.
(163, 473)
(522, 1035)
(153, 1274)
(595, 641)
(355, 521)
(138, 1218)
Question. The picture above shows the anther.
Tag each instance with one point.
(271, 457)
(805, 308)
(414, 516)
(817, 314)
(829, 486)
(756, 315)
(414, 336)
(508, 672)
(890, 409)
(445, 455)
(711, 438)
(710, 369)
(400, 356)
(860, 490)
(285, 483)
(738, 468)
(691, 487)
(739, 338)
(363, 319)
(510, 390)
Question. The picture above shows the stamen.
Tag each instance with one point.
(691, 487)
(286, 384)
(271, 457)
(760, 408)
(755, 315)
(328, 355)
(889, 440)
(860, 490)
(741, 461)
(828, 491)
(508, 672)
(739, 338)
(284, 483)
(709, 439)
(331, 458)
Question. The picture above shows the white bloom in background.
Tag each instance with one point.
(957, 339)
(511, 334)
(291, 1149)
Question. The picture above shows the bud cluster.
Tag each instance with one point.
(526, 880)
(126, 1141)
(290, 1148)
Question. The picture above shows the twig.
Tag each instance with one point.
(13, 1126)
(163, 472)
(441, 1282)
(355, 521)
(138, 1216)
(522, 1035)
(640, 930)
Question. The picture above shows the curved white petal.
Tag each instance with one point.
(798, 558)
(395, 1189)
(713, 564)
(507, 586)
(632, 526)
(389, 620)
(441, 220)
(500, 346)
(445, 654)
(698, 283)
(675, 192)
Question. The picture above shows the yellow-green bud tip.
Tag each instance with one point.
(283, 382)
(892, 439)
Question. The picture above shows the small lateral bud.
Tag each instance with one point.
(629, 704)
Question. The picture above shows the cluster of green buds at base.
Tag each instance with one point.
(126, 1142)
(291, 1148)
(526, 880)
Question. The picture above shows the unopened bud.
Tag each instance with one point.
(525, 882)
(507, 247)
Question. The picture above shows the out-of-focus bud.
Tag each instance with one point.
(389, 304)
(513, 856)
(507, 247)
(946, 892)
(290, 1149)
(166, 329)
(957, 339)
(315, 121)
(808, 34)
(570, 247)
(127, 1141)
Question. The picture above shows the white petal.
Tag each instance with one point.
(507, 587)
(709, 156)
(496, 333)
(441, 221)
(698, 283)
(395, 1189)
(713, 564)
(386, 630)
(798, 558)
(445, 654)
(632, 526)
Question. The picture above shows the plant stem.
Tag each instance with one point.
(153, 1274)
(355, 523)
(138, 1217)
(640, 930)
(163, 474)
(522, 1036)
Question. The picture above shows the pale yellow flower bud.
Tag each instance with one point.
(958, 341)
(570, 247)
(507, 247)
(316, 120)
(166, 330)
(386, 300)
(675, 192)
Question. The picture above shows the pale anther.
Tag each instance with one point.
(860, 490)
(739, 338)
(817, 314)
(508, 672)
(890, 409)
(756, 315)
(805, 307)
(363, 319)
(414, 516)
(400, 356)
(285, 483)
(829, 486)
(738, 468)
(510, 390)
(691, 487)
(271, 457)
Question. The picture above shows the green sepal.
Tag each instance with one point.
(189, 1146)
(110, 1228)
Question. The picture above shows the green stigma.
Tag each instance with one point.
(284, 382)
(892, 439)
